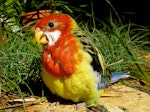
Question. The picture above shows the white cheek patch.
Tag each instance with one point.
(52, 37)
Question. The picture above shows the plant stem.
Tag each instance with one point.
(1, 40)
(114, 11)
(94, 26)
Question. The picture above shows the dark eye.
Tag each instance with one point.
(51, 24)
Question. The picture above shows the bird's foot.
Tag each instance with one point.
(80, 105)
(54, 104)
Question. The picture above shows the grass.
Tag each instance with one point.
(20, 61)
(20, 56)
(122, 45)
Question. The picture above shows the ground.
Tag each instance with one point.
(122, 99)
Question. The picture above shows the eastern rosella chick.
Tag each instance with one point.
(72, 67)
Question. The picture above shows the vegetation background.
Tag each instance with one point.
(120, 29)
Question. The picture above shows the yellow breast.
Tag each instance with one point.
(81, 86)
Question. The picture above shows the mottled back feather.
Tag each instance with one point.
(98, 62)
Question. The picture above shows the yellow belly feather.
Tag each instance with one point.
(79, 87)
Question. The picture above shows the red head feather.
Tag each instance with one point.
(65, 22)
(59, 59)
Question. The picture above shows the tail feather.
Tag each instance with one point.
(114, 78)
(119, 75)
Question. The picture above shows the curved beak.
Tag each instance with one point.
(40, 37)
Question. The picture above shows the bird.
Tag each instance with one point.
(72, 66)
